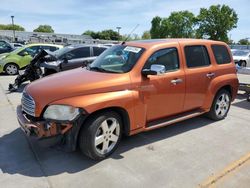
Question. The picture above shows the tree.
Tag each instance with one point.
(146, 35)
(215, 22)
(10, 27)
(44, 29)
(178, 25)
(181, 24)
(94, 35)
(108, 34)
(158, 28)
(244, 42)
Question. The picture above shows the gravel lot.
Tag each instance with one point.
(185, 154)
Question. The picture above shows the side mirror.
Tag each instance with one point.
(154, 70)
(65, 60)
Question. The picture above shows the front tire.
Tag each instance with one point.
(220, 106)
(101, 135)
(11, 68)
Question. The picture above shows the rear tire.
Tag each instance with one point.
(220, 106)
(100, 135)
(11, 68)
(243, 64)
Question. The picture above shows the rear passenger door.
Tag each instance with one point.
(76, 58)
(199, 73)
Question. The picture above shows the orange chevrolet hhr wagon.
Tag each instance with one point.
(130, 88)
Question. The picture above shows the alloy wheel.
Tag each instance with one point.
(107, 136)
(222, 105)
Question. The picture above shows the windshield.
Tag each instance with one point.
(240, 53)
(117, 59)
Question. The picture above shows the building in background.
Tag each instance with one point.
(33, 37)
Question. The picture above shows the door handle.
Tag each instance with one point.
(176, 81)
(210, 75)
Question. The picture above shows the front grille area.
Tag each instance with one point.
(28, 104)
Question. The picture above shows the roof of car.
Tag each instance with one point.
(153, 42)
(86, 45)
(43, 44)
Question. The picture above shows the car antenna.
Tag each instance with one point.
(123, 42)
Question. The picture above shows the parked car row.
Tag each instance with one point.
(11, 62)
(66, 58)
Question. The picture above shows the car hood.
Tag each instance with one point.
(73, 83)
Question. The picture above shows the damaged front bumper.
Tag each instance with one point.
(47, 132)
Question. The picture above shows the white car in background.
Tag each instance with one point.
(241, 57)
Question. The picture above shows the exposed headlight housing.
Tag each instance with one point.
(55, 63)
(61, 112)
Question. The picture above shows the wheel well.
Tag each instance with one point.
(10, 63)
(228, 88)
(122, 112)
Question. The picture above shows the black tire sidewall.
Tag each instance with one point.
(212, 112)
(88, 132)
(5, 67)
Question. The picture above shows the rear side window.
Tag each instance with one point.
(167, 57)
(221, 54)
(98, 50)
(196, 56)
(50, 48)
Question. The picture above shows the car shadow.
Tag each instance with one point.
(242, 103)
(17, 156)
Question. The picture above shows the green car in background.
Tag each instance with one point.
(11, 62)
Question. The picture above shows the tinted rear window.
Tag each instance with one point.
(221, 54)
(196, 56)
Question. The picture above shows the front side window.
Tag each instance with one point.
(117, 59)
(167, 57)
(98, 50)
(221, 54)
(196, 56)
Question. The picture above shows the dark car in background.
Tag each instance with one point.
(5, 47)
(71, 57)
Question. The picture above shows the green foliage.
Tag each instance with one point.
(244, 42)
(159, 28)
(177, 25)
(44, 29)
(146, 35)
(212, 23)
(215, 23)
(10, 27)
(181, 24)
(104, 35)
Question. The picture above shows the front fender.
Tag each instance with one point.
(94, 102)
(216, 84)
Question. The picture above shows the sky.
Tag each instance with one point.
(77, 16)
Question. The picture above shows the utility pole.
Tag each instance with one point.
(248, 42)
(14, 34)
(118, 29)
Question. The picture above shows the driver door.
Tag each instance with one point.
(163, 97)
(27, 55)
